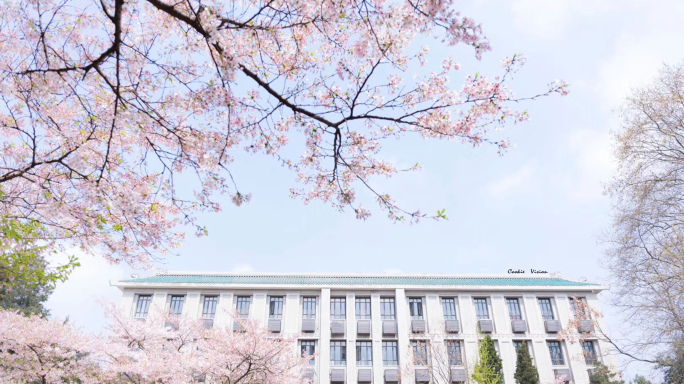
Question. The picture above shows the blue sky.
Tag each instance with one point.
(539, 206)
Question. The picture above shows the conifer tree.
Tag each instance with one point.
(525, 371)
(488, 369)
(602, 374)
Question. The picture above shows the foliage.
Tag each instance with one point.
(646, 254)
(673, 365)
(525, 370)
(22, 261)
(603, 375)
(27, 298)
(105, 103)
(638, 379)
(39, 350)
(489, 368)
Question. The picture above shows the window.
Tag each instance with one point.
(275, 308)
(390, 353)
(338, 308)
(338, 352)
(454, 352)
(387, 308)
(176, 305)
(143, 306)
(481, 309)
(449, 307)
(514, 309)
(309, 308)
(209, 307)
(546, 309)
(518, 343)
(309, 349)
(363, 308)
(589, 352)
(556, 352)
(416, 308)
(364, 353)
(242, 306)
(579, 307)
(420, 355)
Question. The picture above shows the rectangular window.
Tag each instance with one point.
(338, 308)
(556, 352)
(449, 307)
(364, 353)
(309, 308)
(518, 343)
(481, 309)
(514, 309)
(454, 352)
(275, 308)
(243, 303)
(209, 307)
(387, 308)
(143, 306)
(589, 352)
(420, 355)
(338, 352)
(546, 309)
(176, 305)
(390, 355)
(309, 349)
(579, 307)
(416, 308)
(363, 308)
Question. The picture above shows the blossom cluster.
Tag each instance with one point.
(163, 349)
(120, 119)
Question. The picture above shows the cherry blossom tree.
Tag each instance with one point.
(163, 349)
(35, 350)
(104, 103)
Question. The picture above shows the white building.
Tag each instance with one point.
(375, 328)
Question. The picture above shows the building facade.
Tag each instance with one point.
(393, 328)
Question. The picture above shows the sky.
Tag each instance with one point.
(541, 205)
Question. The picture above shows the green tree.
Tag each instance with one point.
(489, 369)
(26, 278)
(27, 298)
(673, 365)
(603, 375)
(525, 371)
(638, 379)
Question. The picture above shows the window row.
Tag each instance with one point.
(421, 352)
(338, 307)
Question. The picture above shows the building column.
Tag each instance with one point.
(351, 338)
(403, 331)
(324, 350)
(376, 337)
(224, 310)
(292, 314)
(193, 305)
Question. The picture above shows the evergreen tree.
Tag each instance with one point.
(26, 278)
(489, 369)
(638, 379)
(28, 298)
(525, 371)
(673, 365)
(603, 375)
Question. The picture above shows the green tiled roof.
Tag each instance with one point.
(355, 280)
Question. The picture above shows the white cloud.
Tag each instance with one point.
(516, 181)
(553, 19)
(242, 268)
(639, 52)
(593, 163)
(78, 297)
